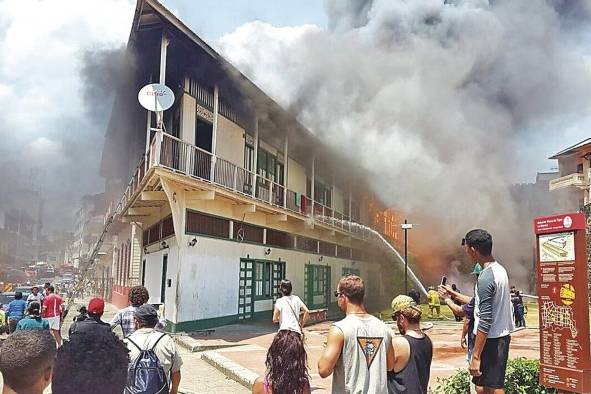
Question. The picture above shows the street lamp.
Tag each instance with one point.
(406, 226)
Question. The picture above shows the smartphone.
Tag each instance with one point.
(443, 280)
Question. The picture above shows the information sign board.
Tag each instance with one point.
(562, 284)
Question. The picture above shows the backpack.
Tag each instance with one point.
(145, 374)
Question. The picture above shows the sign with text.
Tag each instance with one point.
(562, 284)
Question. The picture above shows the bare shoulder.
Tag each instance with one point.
(335, 332)
(259, 386)
(399, 342)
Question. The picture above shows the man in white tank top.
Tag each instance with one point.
(359, 349)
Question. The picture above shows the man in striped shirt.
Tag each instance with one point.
(138, 296)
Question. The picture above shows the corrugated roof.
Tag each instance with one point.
(572, 149)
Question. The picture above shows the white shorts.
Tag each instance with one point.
(54, 322)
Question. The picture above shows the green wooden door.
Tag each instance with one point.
(317, 286)
(246, 290)
(277, 276)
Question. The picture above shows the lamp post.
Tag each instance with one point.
(406, 226)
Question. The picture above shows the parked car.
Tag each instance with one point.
(6, 297)
(26, 290)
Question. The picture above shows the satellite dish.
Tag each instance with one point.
(156, 97)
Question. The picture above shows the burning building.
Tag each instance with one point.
(231, 196)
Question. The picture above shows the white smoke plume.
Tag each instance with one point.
(431, 98)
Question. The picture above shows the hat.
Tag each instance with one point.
(402, 302)
(477, 269)
(146, 314)
(96, 306)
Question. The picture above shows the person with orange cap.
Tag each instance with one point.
(93, 324)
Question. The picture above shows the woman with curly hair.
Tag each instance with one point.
(287, 366)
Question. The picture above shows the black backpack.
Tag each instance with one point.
(145, 374)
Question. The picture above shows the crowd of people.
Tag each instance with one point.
(94, 360)
(364, 355)
(361, 352)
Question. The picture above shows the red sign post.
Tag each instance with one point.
(562, 284)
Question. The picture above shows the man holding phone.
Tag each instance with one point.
(493, 318)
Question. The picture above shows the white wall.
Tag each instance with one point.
(153, 276)
(230, 141)
(209, 275)
(188, 119)
(296, 177)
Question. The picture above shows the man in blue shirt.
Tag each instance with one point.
(15, 311)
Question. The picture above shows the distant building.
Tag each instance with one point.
(88, 227)
(21, 224)
(574, 165)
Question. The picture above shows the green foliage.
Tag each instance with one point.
(458, 383)
(521, 378)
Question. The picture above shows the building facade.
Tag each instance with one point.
(88, 226)
(574, 165)
(229, 196)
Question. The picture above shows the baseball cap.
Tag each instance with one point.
(403, 302)
(477, 269)
(96, 306)
(146, 313)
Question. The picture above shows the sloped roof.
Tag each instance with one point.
(572, 149)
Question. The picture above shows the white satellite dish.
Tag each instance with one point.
(156, 97)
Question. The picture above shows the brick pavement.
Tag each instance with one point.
(249, 349)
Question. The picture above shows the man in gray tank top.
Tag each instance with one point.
(359, 349)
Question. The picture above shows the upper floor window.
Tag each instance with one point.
(203, 134)
(248, 157)
(580, 168)
(322, 191)
(269, 167)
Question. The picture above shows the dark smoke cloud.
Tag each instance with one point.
(103, 71)
(432, 99)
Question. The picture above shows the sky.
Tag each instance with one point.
(50, 137)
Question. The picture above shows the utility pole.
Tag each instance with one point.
(406, 226)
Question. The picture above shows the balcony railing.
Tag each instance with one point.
(575, 179)
(179, 156)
